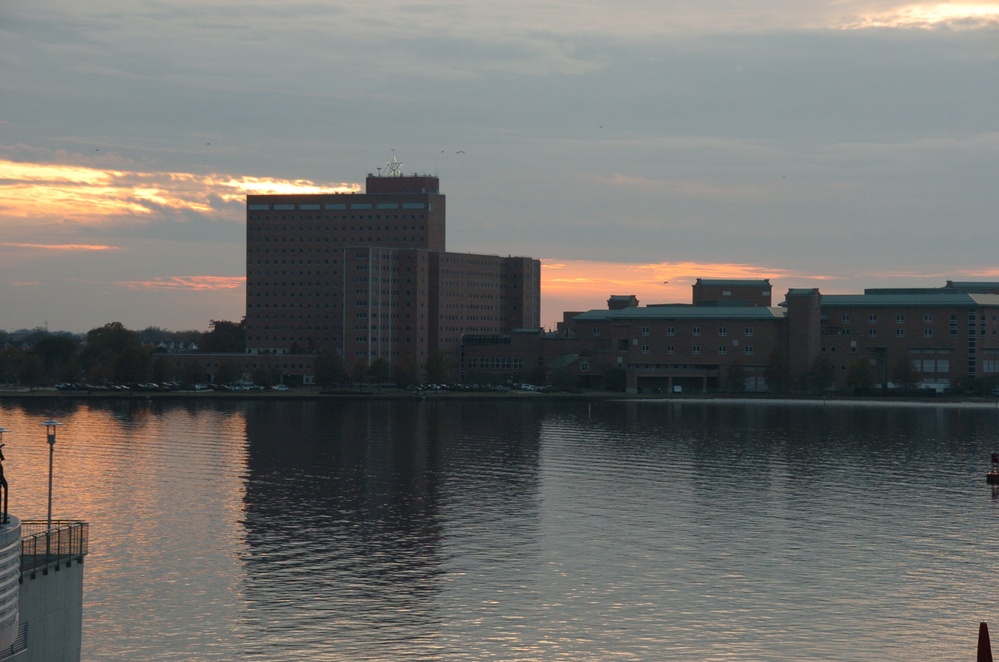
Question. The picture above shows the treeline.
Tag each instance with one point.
(110, 354)
(330, 371)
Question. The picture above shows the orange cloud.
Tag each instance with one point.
(61, 247)
(603, 277)
(88, 195)
(188, 283)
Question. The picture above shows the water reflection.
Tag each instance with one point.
(343, 515)
(520, 530)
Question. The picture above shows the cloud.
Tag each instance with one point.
(189, 283)
(39, 193)
(956, 16)
(73, 248)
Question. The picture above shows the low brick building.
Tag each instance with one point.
(934, 338)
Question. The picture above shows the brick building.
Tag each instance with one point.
(367, 275)
(729, 338)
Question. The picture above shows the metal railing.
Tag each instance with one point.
(43, 547)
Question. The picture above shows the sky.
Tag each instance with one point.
(633, 146)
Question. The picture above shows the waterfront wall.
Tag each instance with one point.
(52, 615)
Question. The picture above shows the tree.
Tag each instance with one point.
(379, 371)
(225, 337)
(193, 373)
(55, 351)
(436, 369)
(132, 365)
(775, 373)
(735, 377)
(112, 336)
(860, 374)
(405, 372)
(228, 372)
(359, 371)
(904, 373)
(821, 376)
(71, 371)
(329, 370)
(31, 371)
(10, 364)
(103, 346)
(160, 370)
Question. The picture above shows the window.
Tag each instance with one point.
(722, 331)
(748, 332)
(845, 319)
(748, 350)
(645, 349)
(899, 319)
(596, 332)
(645, 330)
(670, 331)
(928, 319)
(872, 333)
(927, 333)
(696, 349)
(696, 330)
(670, 349)
(872, 318)
(584, 366)
(722, 350)
(899, 333)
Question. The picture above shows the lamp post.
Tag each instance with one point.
(3, 481)
(50, 429)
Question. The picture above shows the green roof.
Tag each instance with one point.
(684, 311)
(941, 298)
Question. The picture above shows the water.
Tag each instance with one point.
(530, 530)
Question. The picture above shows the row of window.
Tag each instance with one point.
(331, 206)
(493, 363)
(694, 331)
(696, 349)
(927, 318)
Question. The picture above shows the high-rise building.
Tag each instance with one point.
(366, 275)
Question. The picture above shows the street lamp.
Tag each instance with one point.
(50, 429)
(3, 481)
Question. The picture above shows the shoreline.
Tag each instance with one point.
(398, 394)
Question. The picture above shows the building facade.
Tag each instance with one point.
(729, 339)
(367, 276)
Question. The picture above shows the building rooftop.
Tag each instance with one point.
(938, 298)
(735, 282)
(685, 311)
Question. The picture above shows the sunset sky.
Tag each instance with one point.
(632, 146)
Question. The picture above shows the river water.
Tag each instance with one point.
(521, 530)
